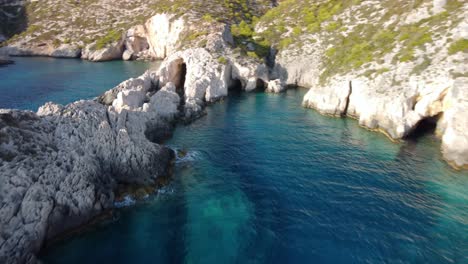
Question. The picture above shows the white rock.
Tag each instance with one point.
(129, 99)
(330, 100)
(275, 86)
(163, 31)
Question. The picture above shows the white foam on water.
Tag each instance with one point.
(127, 201)
(190, 156)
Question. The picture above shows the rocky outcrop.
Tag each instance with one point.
(330, 100)
(59, 166)
(111, 51)
(136, 44)
(453, 124)
(163, 32)
(200, 78)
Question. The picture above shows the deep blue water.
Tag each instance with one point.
(31, 82)
(267, 181)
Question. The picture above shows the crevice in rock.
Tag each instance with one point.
(180, 79)
(425, 126)
(345, 111)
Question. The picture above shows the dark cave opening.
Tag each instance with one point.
(260, 86)
(235, 85)
(425, 126)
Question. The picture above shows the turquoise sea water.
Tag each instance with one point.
(267, 181)
(31, 82)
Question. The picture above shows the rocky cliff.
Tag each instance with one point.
(396, 66)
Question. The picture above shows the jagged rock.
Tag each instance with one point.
(49, 109)
(135, 42)
(127, 55)
(129, 99)
(275, 86)
(163, 31)
(59, 167)
(148, 82)
(197, 76)
(165, 102)
(297, 68)
(438, 6)
(454, 124)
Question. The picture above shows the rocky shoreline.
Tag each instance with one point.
(61, 165)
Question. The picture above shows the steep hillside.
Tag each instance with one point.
(78, 24)
(398, 67)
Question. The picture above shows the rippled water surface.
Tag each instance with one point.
(266, 181)
(31, 82)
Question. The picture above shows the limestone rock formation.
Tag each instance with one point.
(200, 78)
(392, 73)
(59, 167)
(112, 51)
(163, 33)
(275, 86)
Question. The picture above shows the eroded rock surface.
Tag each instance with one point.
(59, 166)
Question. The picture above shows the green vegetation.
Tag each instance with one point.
(111, 37)
(421, 67)
(222, 60)
(370, 37)
(458, 46)
(244, 36)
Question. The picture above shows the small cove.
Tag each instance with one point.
(33, 81)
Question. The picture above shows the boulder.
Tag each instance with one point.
(127, 55)
(275, 86)
(165, 102)
(129, 99)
